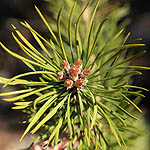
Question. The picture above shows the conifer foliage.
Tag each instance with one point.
(82, 98)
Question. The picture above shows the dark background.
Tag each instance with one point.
(13, 11)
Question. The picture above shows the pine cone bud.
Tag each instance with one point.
(73, 72)
(78, 63)
(86, 72)
(66, 65)
(61, 75)
(82, 76)
(79, 82)
(68, 83)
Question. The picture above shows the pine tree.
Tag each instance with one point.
(82, 97)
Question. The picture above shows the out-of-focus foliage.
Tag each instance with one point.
(105, 8)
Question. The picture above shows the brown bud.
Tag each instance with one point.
(73, 72)
(78, 63)
(79, 82)
(68, 83)
(82, 76)
(61, 75)
(65, 65)
(86, 72)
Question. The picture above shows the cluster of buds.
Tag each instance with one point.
(73, 76)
